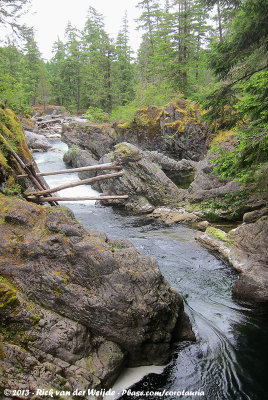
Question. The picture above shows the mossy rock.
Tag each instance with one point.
(11, 131)
(217, 233)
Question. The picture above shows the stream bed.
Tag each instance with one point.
(229, 359)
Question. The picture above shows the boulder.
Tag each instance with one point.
(245, 248)
(76, 158)
(79, 305)
(207, 185)
(95, 138)
(37, 142)
(143, 181)
(171, 216)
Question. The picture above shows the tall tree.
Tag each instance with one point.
(30, 66)
(44, 87)
(11, 90)
(72, 67)
(57, 75)
(98, 57)
(148, 22)
(123, 71)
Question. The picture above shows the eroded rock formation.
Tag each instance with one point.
(75, 305)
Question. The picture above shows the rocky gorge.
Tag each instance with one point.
(76, 307)
(176, 184)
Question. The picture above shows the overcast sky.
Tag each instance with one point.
(50, 18)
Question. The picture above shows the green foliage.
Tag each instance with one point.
(145, 96)
(241, 99)
(95, 114)
(246, 161)
(232, 205)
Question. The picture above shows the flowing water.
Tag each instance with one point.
(228, 361)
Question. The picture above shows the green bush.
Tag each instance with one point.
(95, 114)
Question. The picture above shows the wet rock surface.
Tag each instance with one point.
(246, 249)
(79, 305)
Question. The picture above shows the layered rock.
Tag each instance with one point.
(175, 130)
(246, 249)
(79, 305)
(143, 181)
(98, 140)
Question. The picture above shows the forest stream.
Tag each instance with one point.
(228, 360)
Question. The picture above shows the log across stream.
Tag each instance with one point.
(228, 361)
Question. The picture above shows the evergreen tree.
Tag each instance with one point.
(44, 87)
(57, 76)
(72, 67)
(11, 90)
(30, 66)
(124, 69)
(98, 57)
(148, 22)
(240, 62)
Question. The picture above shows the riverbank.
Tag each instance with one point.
(183, 191)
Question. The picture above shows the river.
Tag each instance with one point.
(228, 360)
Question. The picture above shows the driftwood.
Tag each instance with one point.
(81, 169)
(29, 169)
(49, 121)
(77, 183)
(48, 199)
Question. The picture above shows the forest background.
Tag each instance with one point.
(213, 52)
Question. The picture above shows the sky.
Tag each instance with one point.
(50, 18)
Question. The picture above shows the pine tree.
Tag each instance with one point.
(11, 90)
(44, 87)
(98, 57)
(57, 75)
(72, 67)
(30, 66)
(124, 69)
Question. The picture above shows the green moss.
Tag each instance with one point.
(57, 292)
(126, 125)
(217, 233)
(12, 136)
(124, 150)
(35, 320)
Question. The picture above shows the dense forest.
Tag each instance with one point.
(213, 52)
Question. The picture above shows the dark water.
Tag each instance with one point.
(229, 359)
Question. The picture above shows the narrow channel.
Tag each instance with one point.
(228, 361)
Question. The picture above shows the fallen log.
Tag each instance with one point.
(28, 168)
(81, 169)
(74, 184)
(49, 199)
(49, 121)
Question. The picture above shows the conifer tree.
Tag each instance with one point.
(124, 71)
(30, 66)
